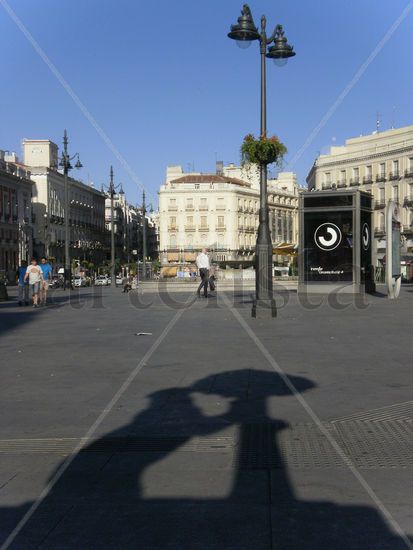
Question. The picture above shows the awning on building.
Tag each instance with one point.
(285, 249)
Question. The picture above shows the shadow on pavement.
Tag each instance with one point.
(112, 506)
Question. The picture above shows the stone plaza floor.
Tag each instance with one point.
(211, 431)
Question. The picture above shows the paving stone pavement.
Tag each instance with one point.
(205, 447)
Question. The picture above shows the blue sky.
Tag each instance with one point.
(168, 87)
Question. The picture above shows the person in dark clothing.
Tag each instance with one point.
(202, 262)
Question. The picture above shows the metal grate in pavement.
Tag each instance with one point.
(378, 444)
(398, 411)
(268, 446)
(369, 444)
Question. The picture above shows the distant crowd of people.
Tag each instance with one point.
(33, 282)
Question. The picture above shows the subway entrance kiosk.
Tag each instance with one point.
(336, 242)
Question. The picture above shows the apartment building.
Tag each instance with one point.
(16, 218)
(220, 211)
(381, 163)
(86, 209)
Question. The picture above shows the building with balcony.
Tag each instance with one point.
(381, 163)
(220, 211)
(86, 209)
(16, 216)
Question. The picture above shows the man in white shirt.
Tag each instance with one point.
(202, 262)
(35, 276)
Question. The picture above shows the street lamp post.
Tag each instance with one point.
(245, 32)
(112, 192)
(144, 237)
(66, 165)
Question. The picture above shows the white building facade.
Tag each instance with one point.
(220, 211)
(88, 235)
(380, 163)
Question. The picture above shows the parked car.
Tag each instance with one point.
(79, 281)
(57, 281)
(119, 280)
(102, 280)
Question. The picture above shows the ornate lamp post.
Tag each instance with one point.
(112, 192)
(245, 32)
(66, 165)
(144, 238)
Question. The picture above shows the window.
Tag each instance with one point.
(356, 173)
(396, 193)
(410, 164)
(327, 177)
(189, 204)
(395, 167)
(368, 171)
(172, 241)
(190, 220)
(382, 169)
(221, 221)
(196, 186)
(381, 194)
(343, 176)
(172, 222)
(204, 222)
(220, 203)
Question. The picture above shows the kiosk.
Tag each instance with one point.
(336, 242)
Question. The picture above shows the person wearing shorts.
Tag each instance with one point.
(35, 277)
(47, 275)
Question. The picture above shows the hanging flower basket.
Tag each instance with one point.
(262, 151)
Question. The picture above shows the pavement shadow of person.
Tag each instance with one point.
(105, 499)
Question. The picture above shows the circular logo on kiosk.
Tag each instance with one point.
(365, 236)
(327, 236)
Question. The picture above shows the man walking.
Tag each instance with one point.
(34, 276)
(202, 262)
(47, 275)
(23, 287)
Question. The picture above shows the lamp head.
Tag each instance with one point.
(78, 164)
(245, 31)
(281, 51)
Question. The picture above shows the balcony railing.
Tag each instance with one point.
(220, 227)
(326, 186)
(190, 228)
(203, 207)
(189, 208)
(407, 229)
(408, 173)
(381, 177)
(367, 179)
(379, 204)
(379, 231)
(342, 183)
(354, 181)
(172, 228)
(395, 175)
(408, 201)
(172, 208)
(221, 207)
(203, 228)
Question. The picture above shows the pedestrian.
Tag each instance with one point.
(47, 275)
(22, 285)
(212, 278)
(202, 262)
(35, 276)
